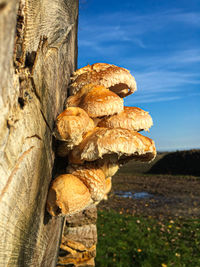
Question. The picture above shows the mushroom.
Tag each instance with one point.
(117, 79)
(131, 118)
(96, 100)
(70, 127)
(92, 177)
(98, 134)
(120, 144)
(67, 195)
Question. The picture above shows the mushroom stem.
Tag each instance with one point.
(109, 165)
(108, 187)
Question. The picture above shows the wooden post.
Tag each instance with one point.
(38, 51)
(79, 239)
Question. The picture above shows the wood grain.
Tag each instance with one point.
(38, 53)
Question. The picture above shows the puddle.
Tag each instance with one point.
(137, 195)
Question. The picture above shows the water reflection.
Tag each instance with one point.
(137, 195)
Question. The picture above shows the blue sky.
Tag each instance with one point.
(159, 42)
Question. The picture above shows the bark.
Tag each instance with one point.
(38, 53)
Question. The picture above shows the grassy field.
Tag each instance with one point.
(124, 240)
(159, 232)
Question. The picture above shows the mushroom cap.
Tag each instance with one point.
(71, 125)
(64, 147)
(67, 195)
(92, 177)
(97, 101)
(120, 144)
(131, 118)
(117, 79)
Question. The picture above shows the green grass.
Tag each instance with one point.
(124, 240)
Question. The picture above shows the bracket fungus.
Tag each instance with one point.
(99, 135)
(116, 79)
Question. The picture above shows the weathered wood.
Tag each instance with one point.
(35, 66)
(79, 239)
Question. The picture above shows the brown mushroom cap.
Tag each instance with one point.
(131, 118)
(71, 125)
(92, 177)
(117, 79)
(96, 100)
(67, 195)
(121, 144)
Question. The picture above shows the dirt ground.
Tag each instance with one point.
(172, 195)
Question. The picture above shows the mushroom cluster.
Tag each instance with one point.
(98, 135)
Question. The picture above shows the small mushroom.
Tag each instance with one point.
(92, 177)
(96, 100)
(67, 195)
(131, 118)
(120, 144)
(70, 127)
(117, 79)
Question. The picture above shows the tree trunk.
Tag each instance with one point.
(38, 51)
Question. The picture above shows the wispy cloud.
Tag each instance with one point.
(172, 60)
(188, 18)
(172, 75)
(148, 98)
(163, 85)
(165, 81)
(161, 74)
(124, 26)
